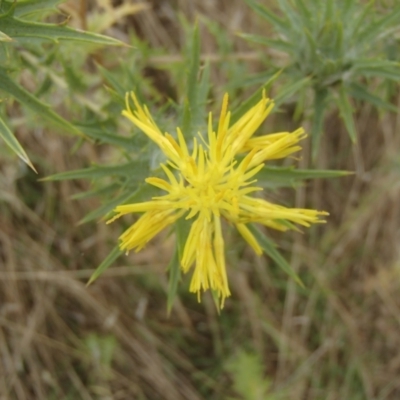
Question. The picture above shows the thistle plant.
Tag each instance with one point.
(214, 173)
(335, 49)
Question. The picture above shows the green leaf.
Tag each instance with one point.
(182, 228)
(358, 21)
(99, 193)
(97, 132)
(29, 100)
(296, 24)
(346, 113)
(13, 143)
(305, 12)
(280, 24)
(392, 74)
(253, 99)
(174, 276)
(379, 68)
(204, 87)
(329, 13)
(346, 8)
(191, 114)
(252, 80)
(193, 66)
(318, 119)
(274, 43)
(290, 89)
(73, 77)
(27, 7)
(113, 80)
(114, 254)
(248, 378)
(132, 169)
(269, 247)
(131, 195)
(4, 37)
(28, 31)
(361, 93)
(379, 29)
(274, 177)
(101, 211)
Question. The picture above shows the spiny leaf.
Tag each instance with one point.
(252, 80)
(174, 276)
(28, 31)
(106, 208)
(96, 131)
(99, 193)
(346, 113)
(204, 87)
(191, 113)
(133, 168)
(13, 143)
(29, 100)
(274, 43)
(269, 247)
(290, 89)
(360, 92)
(263, 12)
(379, 68)
(318, 120)
(306, 13)
(128, 195)
(379, 29)
(297, 24)
(359, 22)
(114, 81)
(27, 7)
(4, 37)
(114, 254)
(182, 228)
(274, 177)
(253, 99)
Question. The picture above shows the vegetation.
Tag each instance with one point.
(315, 317)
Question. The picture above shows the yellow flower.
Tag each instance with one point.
(210, 181)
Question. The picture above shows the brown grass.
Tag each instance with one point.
(113, 340)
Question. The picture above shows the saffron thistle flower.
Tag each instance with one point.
(211, 182)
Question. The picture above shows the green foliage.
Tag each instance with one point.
(13, 143)
(25, 43)
(174, 268)
(269, 248)
(248, 378)
(122, 180)
(101, 351)
(274, 177)
(338, 47)
(309, 339)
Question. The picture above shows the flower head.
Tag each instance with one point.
(213, 180)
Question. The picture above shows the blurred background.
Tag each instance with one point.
(336, 338)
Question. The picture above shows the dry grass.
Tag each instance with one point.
(338, 339)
